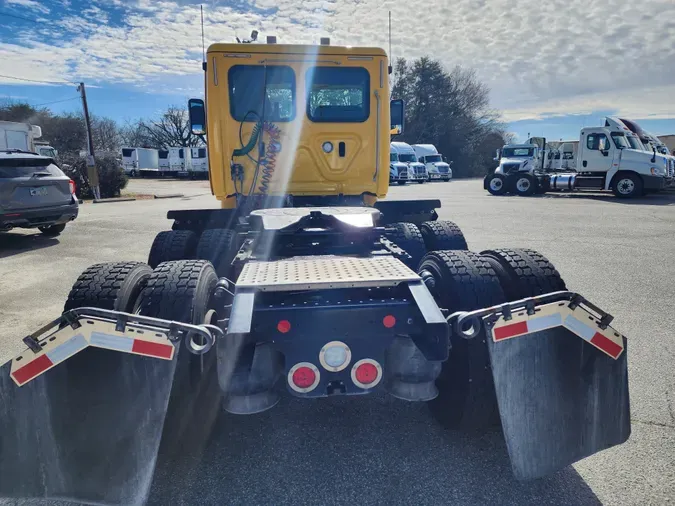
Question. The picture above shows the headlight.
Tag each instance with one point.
(656, 171)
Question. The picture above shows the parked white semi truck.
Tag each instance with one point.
(398, 171)
(406, 154)
(140, 161)
(200, 164)
(647, 142)
(438, 169)
(604, 161)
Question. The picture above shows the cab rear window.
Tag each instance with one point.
(10, 168)
(248, 100)
(127, 152)
(338, 94)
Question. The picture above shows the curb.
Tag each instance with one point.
(119, 199)
(169, 196)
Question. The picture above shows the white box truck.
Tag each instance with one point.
(604, 161)
(23, 136)
(438, 169)
(406, 154)
(200, 164)
(140, 162)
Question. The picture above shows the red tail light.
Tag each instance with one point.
(366, 373)
(303, 377)
(73, 187)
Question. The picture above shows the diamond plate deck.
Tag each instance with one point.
(317, 272)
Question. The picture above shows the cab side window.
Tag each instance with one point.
(597, 142)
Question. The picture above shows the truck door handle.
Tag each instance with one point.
(585, 163)
(341, 149)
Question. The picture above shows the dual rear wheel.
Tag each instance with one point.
(465, 281)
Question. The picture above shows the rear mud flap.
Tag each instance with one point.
(88, 430)
(560, 399)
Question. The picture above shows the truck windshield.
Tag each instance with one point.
(634, 143)
(393, 157)
(513, 152)
(127, 152)
(433, 158)
(619, 140)
(48, 152)
(407, 157)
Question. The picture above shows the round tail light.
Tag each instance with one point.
(335, 356)
(366, 373)
(304, 377)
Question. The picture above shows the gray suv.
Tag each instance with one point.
(34, 193)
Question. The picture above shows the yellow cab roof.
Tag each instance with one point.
(299, 49)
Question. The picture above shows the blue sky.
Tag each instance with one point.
(553, 67)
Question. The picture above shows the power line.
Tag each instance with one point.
(37, 81)
(56, 101)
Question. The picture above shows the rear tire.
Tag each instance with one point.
(524, 272)
(172, 245)
(443, 235)
(218, 246)
(466, 399)
(524, 185)
(114, 286)
(401, 182)
(409, 238)
(52, 230)
(496, 184)
(181, 290)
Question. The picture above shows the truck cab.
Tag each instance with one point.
(406, 154)
(515, 158)
(428, 155)
(398, 171)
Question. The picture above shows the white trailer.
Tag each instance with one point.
(200, 163)
(437, 168)
(604, 161)
(140, 161)
(180, 161)
(163, 155)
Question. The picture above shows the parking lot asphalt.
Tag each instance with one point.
(376, 449)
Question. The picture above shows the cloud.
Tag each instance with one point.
(539, 58)
(30, 4)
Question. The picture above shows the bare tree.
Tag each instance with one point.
(106, 135)
(172, 129)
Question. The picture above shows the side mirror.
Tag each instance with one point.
(197, 114)
(498, 155)
(397, 113)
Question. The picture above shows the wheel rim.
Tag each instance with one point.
(523, 184)
(496, 184)
(625, 186)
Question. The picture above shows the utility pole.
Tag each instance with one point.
(92, 173)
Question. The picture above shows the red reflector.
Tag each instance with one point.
(32, 369)
(389, 321)
(303, 377)
(510, 330)
(284, 326)
(366, 373)
(152, 349)
(606, 345)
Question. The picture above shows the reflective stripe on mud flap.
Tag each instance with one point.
(137, 346)
(22, 372)
(559, 314)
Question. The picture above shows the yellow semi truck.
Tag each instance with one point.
(304, 279)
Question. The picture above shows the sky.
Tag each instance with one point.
(553, 66)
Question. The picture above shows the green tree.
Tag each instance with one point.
(450, 110)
